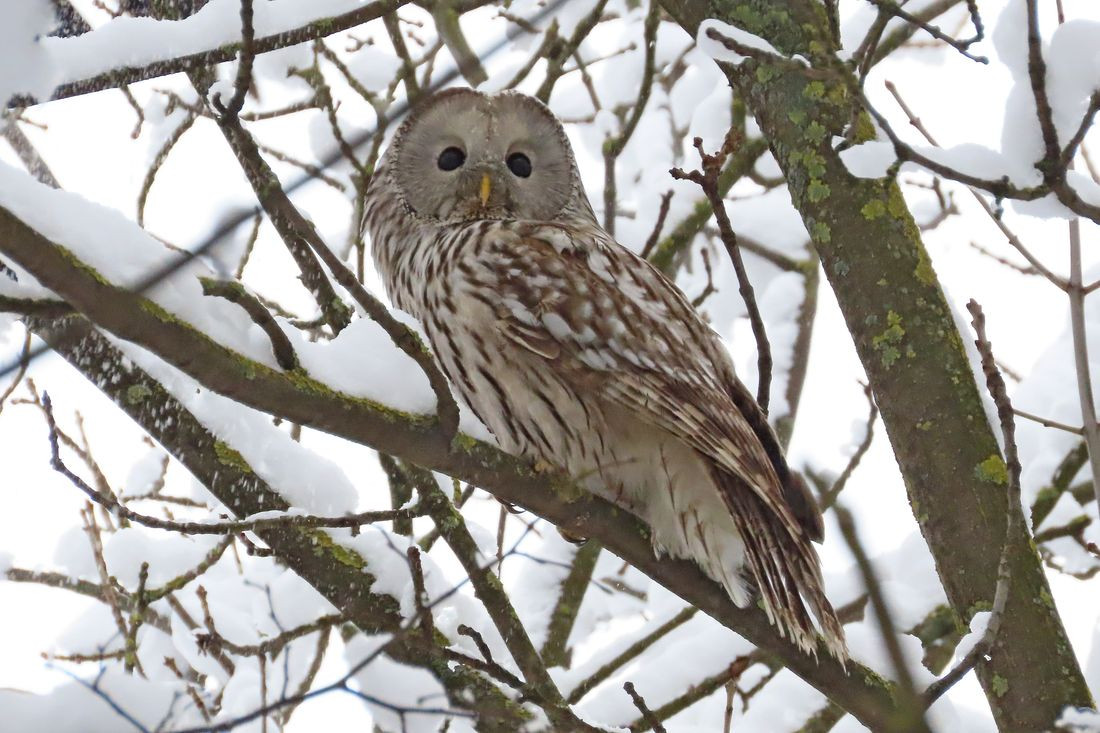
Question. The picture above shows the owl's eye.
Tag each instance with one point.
(450, 159)
(519, 164)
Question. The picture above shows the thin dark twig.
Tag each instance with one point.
(236, 293)
(1065, 160)
(658, 226)
(592, 681)
(282, 212)
(647, 714)
(1047, 422)
(962, 47)
(909, 705)
(244, 66)
(1037, 72)
(997, 220)
(707, 179)
(829, 497)
(999, 392)
(113, 505)
(24, 362)
(479, 641)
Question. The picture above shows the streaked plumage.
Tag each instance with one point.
(574, 351)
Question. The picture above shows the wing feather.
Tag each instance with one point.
(618, 326)
(615, 326)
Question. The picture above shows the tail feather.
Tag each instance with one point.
(786, 571)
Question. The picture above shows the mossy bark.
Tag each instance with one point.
(911, 349)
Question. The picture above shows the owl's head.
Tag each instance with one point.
(464, 155)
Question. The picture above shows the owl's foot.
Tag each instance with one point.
(572, 538)
(540, 467)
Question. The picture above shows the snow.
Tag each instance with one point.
(978, 626)
(871, 159)
(26, 64)
(127, 41)
(1080, 720)
(1073, 72)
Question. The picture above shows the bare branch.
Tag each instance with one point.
(999, 392)
(707, 179)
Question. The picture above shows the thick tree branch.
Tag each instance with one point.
(419, 440)
(193, 62)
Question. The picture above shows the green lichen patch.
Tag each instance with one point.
(1000, 685)
(888, 341)
(816, 132)
(228, 456)
(923, 270)
(818, 191)
(137, 393)
(873, 209)
(324, 545)
(815, 90)
(992, 470)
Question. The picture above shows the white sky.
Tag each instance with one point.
(87, 144)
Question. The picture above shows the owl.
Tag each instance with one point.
(577, 353)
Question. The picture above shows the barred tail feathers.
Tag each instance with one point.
(786, 572)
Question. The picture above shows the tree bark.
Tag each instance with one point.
(911, 349)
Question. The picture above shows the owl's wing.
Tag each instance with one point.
(613, 324)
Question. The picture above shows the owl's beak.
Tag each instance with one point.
(486, 189)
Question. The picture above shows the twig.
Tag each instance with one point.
(999, 392)
(24, 362)
(1081, 355)
(211, 639)
(420, 593)
(244, 66)
(633, 651)
(658, 226)
(962, 47)
(909, 706)
(707, 179)
(1009, 234)
(313, 170)
(703, 689)
(564, 50)
(113, 505)
(709, 290)
(236, 293)
(647, 714)
(828, 498)
(555, 651)
(446, 17)
(1047, 422)
(288, 219)
(614, 145)
(901, 35)
(489, 591)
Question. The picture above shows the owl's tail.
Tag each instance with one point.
(786, 571)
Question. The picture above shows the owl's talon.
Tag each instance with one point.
(572, 538)
(540, 467)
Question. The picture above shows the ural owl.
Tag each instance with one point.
(576, 352)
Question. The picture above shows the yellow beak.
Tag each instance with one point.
(486, 187)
